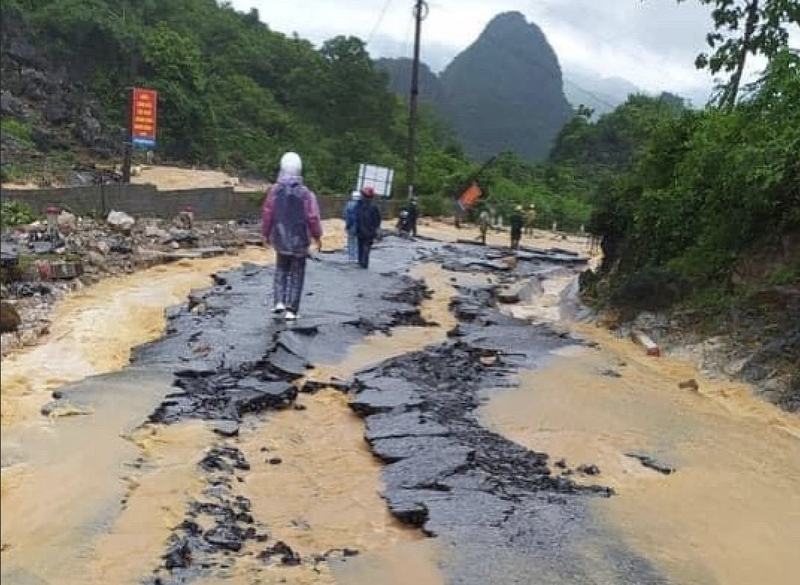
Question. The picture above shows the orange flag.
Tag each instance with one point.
(469, 197)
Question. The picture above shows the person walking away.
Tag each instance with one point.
(413, 215)
(369, 223)
(517, 221)
(290, 221)
(351, 225)
(483, 224)
(530, 218)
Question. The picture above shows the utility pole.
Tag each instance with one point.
(127, 147)
(420, 12)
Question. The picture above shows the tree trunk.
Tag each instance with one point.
(732, 91)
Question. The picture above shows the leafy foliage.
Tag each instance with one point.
(709, 186)
(16, 213)
(743, 27)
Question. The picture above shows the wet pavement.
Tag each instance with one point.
(503, 513)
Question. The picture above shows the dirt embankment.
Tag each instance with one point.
(750, 334)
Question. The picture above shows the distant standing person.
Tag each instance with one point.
(369, 224)
(517, 221)
(483, 224)
(290, 222)
(413, 215)
(530, 219)
(351, 225)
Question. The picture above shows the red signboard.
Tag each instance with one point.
(144, 107)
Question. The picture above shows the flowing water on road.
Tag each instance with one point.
(59, 473)
(63, 477)
(729, 514)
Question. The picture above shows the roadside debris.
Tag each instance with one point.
(45, 260)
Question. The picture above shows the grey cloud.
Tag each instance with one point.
(657, 26)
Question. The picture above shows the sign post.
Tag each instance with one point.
(379, 178)
(142, 125)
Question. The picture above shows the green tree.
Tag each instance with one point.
(744, 27)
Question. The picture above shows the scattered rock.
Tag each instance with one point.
(60, 408)
(282, 550)
(227, 428)
(9, 318)
(651, 463)
(121, 220)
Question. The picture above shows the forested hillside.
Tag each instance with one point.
(700, 210)
(232, 93)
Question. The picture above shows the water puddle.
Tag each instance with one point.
(729, 513)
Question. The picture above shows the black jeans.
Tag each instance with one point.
(364, 248)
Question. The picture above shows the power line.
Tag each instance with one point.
(380, 19)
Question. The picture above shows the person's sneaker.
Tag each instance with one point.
(290, 316)
(279, 308)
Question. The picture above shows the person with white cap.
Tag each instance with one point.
(290, 221)
(351, 225)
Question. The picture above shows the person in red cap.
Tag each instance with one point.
(369, 225)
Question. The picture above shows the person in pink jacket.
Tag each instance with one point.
(290, 222)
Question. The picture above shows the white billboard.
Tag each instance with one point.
(379, 178)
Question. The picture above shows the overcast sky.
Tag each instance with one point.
(651, 43)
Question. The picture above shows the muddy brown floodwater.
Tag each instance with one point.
(55, 475)
(729, 513)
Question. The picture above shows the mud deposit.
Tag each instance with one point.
(500, 513)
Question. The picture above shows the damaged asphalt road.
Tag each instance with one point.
(504, 514)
